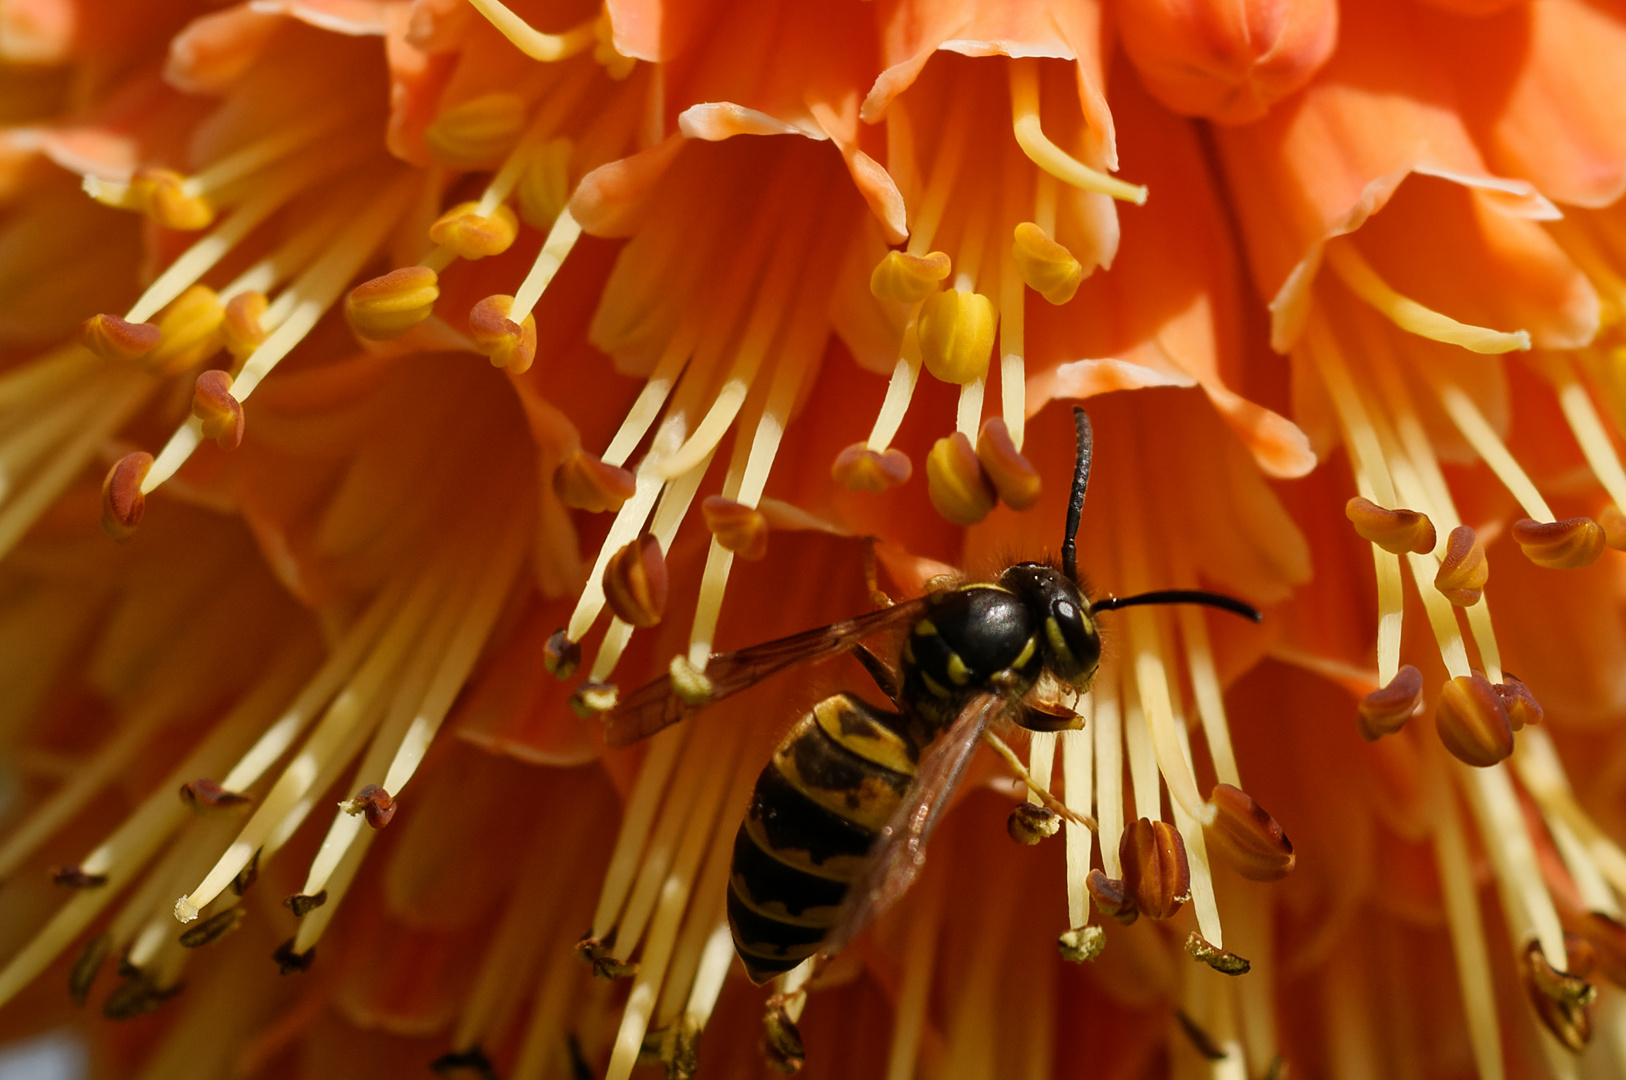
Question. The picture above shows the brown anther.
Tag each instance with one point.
(391, 304)
(139, 995)
(1471, 721)
(1204, 951)
(302, 905)
(908, 278)
(584, 482)
(1200, 1039)
(1156, 872)
(1562, 999)
(1464, 570)
(1013, 477)
(781, 1040)
(213, 928)
(111, 338)
(635, 582)
(75, 877)
(220, 413)
(1613, 524)
(1387, 709)
(1112, 896)
(373, 803)
(1047, 267)
(1560, 545)
(1248, 837)
(858, 468)
(248, 875)
(956, 483)
(593, 699)
(1039, 715)
(289, 961)
(470, 1064)
(1395, 531)
(596, 954)
(87, 966)
(739, 528)
(206, 797)
(509, 344)
(1029, 823)
(956, 333)
(162, 196)
(1520, 704)
(122, 500)
(1607, 936)
(561, 656)
(190, 331)
(242, 328)
(474, 236)
(1082, 943)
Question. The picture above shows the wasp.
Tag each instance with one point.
(837, 825)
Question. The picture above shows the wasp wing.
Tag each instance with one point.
(900, 851)
(656, 704)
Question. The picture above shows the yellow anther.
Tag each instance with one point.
(955, 482)
(956, 332)
(1396, 531)
(908, 278)
(472, 235)
(242, 327)
(544, 186)
(477, 133)
(739, 528)
(122, 501)
(221, 414)
(584, 482)
(191, 330)
(162, 196)
(1471, 721)
(635, 582)
(1464, 570)
(859, 468)
(1016, 480)
(1559, 545)
(1047, 267)
(510, 345)
(1387, 709)
(389, 305)
(1411, 316)
(111, 338)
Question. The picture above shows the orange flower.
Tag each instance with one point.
(747, 276)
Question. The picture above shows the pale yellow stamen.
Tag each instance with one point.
(261, 152)
(1542, 773)
(974, 1046)
(1141, 753)
(548, 48)
(1047, 155)
(1527, 907)
(1355, 272)
(1077, 764)
(555, 108)
(1203, 900)
(1589, 431)
(1488, 445)
(914, 991)
(1013, 312)
(1109, 774)
(556, 248)
(644, 411)
(639, 817)
(1041, 761)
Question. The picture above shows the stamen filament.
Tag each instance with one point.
(1209, 696)
(556, 248)
(1109, 774)
(1542, 773)
(639, 816)
(1355, 272)
(263, 151)
(1013, 315)
(914, 988)
(1526, 905)
(548, 48)
(1077, 763)
(46, 374)
(555, 108)
(1488, 445)
(647, 408)
(968, 415)
(1589, 431)
(1047, 155)
(899, 392)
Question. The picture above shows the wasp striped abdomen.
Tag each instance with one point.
(833, 784)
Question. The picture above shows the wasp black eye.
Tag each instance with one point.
(1072, 640)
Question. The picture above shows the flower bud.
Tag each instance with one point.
(1247, 836)
(122, 500)
(1559, 545)
(739, 528)
(1385, 711)
(162, 196)
(111, 338)
(1047, 267)
(477, 133)
(391, 304)
(1395, 531)
(583, 482)
(1521, 705)
(1029, 823)
(544, 186)
(908, 278)
(510, 345)
(242, 328)
(635, 582)
(1464, 570)
(956, 331)
(1471, 721)
(1156, 872)
(1228, 60)
(1112, 897)
(221, 414)
(1016, 481)
(474, 236)
(956, 483)
(191, 331)
(859, 468)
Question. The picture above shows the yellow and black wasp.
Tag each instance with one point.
(837, 825)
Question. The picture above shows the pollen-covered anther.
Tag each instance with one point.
(509, 344)
(858, 468)
(1562, 999)
(206, 798)
(122, 500)
(391, 304)
(593, 699)
(739, 528)
(1013, 477)
(373, 803)
(473, 235)
(111, 338)
(76, 877)
(1387, 709)
(635, 582)
(1613, 524)
(1047, 267)
(956, 332)
(162, 196)
(1247, 836)
(689, 683)
(221, 414)
(1082, 943)
(288, 962)
(1472, 722)
(1559, 545)
(781, 1040)
(599, 956)
(1464, 570)
(956, 482)
(1029, 823)
(302, 904)
(908, 278)
(1395, 531)
(584, 482)
(1521, 705)
(1205, 951)
(1156, 872)
(243, 327)
(191, 332)
(213, 928)
(561, 656)
(1112, 896)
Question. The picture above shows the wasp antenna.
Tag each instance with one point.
(1179, 596)
(1081, 484)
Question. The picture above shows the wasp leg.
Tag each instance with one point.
(882, 673)
(871, 579)
(1051, 803)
